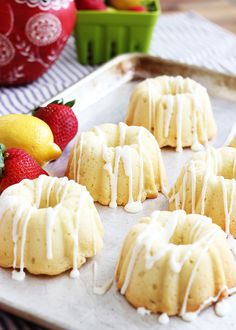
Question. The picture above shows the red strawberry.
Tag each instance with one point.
(61, 119)
(16, 165)
(90, 5)
(138, 8)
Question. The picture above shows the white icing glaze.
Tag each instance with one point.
(161, 164)
(23, 215)
(77, 174)
(231, 291)
(212, 158)
(124, 153)
(189, 316)
(184, 189)
(39, 190)
(51, 216)
(122, 129)
(136, 249)
(228, 210)
(61, 188)
(163, 319)
(143, 311)
(222, 308)
(6, 203)
(213, 163)
(114, 177)
(75, 158)
(100, 290)
(196, 107)
(169, 112)
(193, 179)
(146, 238)
(15, 221)
(196, 228)
(208, 240)
(151, 95)
(49, 190)
(179, 115)
(19, 276)
(175, 89)
(149, 235)
(64, 193)
(141, 176)
(75, 272)
(232, 244)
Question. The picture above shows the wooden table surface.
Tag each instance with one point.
(222, 12)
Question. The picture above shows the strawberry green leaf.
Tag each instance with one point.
(57, 101)
(70, 103)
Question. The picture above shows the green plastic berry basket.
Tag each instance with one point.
(101, 35)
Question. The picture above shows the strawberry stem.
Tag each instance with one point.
(70, 103)
(61, 101)
(57, 102)
(2, 151)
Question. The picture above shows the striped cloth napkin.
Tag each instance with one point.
(184, 37)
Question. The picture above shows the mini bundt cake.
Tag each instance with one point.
(176, 264)
(48, 225)
(207, 186)
(119, 165)
(176, 110)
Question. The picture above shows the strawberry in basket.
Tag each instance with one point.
(90, 5)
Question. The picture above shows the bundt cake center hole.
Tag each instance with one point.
(43, 205)
(47, 201)
(178, 240)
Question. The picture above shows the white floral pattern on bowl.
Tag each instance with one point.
(46, 4)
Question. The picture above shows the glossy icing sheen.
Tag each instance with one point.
(201, 238)
(213, 160)
(123, 153)
(24, 212)
(170, 103)
(100, 290)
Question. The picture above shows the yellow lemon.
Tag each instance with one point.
(30, 134)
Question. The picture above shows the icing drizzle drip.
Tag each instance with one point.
(75, 272)
(143, 311)
(176, 88)
(162, 237)
(228, 187)
(100, 290)
(44, 187)
(164, 319)
(19, 276)
(122, 153)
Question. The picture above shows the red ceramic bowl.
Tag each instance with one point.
(32, 35)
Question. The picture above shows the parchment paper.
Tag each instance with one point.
(60, 302)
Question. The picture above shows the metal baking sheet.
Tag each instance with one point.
(62, 303)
